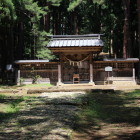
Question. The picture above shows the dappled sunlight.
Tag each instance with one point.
(100, 114)
(110, 115)
(44, 118)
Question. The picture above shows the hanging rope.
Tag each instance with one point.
(79, 63)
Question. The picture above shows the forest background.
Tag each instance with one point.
(25, 25)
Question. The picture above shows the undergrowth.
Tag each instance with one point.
(109, 107)
(11, 105)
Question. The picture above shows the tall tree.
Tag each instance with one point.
(138, 10)
(24, 26)
(126, 29)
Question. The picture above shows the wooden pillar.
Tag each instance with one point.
(91, 73)
(133, 74)
(60, 71)
(91, 69)
(18, 77)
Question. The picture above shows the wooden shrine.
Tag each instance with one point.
(76, 57)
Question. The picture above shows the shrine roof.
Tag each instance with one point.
(120, 60)
(32, 61)
(76, 40)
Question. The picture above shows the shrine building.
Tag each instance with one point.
(77, 61)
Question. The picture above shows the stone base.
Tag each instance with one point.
(124, 83)
(91, 83)
(119, 83)
(59, 84)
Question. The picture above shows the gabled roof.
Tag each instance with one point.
(75, 40)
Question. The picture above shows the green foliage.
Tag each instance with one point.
(34, 76)
(44, 53)
(99, 1)
(25, 24)
(133, 94)
(73, 4)
(33, 13)
(21, 80)
(38, 85)
(55, 2)
(11, 106)
(34, 9)
(7, 9)
(2, 96)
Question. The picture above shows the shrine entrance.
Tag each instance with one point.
(76, 64)
(75, 54)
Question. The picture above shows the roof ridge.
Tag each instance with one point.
(76, 36)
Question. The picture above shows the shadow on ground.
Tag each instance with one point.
(100, 114)
(42, 118)
(110, 114)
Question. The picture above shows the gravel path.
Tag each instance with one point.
(49, 117)
(62, 94)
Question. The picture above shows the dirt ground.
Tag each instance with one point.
(24, 90)
(51, 117)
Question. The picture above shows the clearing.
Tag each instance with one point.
(77, 115)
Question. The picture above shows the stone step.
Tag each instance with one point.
(78, 84)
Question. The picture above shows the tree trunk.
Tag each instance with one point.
(55, 22)
(126, 40)
(21, 40)
(75, 23)
(138, 9)
(11, 45)
(47, 19)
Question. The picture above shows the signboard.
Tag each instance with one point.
(9, 67)
(108, 68)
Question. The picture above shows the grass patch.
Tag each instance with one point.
(38, 85)
(133, 94)
(11, 105)
(28, 85)
(107, 107)
(2, 96)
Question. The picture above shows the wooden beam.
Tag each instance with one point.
(116, 61)
(21, 63)
(114, 69)
(49, 70)
(76, 49)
